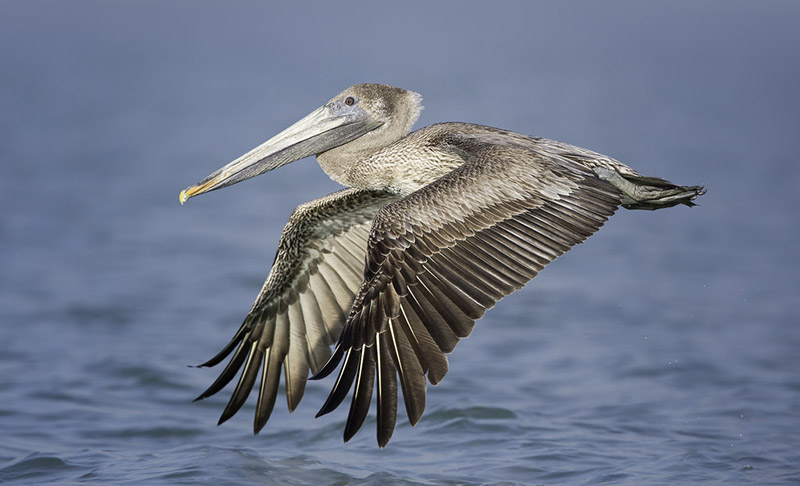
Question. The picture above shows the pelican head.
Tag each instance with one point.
(374, 114)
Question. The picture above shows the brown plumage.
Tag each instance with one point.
(439, 225)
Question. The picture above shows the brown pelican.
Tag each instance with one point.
(436, 227)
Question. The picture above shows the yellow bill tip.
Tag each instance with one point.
(196, 189)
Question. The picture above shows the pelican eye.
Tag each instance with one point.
(349, 101)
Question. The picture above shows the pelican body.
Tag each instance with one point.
(436, 226)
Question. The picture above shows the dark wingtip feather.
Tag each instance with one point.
(343, 383)
(384, 435)
(387, 391)
(268, 392)
(362, 396)
(245, 384)
(217, 358)
(412, 376)
(331, 365)
(227, 374)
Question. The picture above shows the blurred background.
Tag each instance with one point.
(665, 349)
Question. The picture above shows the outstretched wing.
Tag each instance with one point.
(303, 304)
(440, 257)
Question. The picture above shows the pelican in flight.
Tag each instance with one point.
(435, 227)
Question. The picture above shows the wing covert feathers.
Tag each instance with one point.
(440, 257)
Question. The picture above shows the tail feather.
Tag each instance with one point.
(639, 192)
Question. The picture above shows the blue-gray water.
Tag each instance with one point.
(664, 350)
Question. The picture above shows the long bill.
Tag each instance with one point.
(323, 129)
